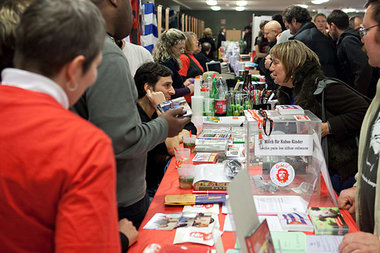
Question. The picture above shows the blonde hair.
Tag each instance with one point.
(293, 54)
(10, 15)
(190, 47)
(163, 49)
(207, 33)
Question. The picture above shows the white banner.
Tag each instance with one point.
(284, 145)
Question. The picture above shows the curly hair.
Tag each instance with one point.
(10, 15)
(163, 49)
(294, 11)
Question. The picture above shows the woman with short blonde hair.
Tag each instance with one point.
(297, 70)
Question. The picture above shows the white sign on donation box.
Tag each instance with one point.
(284, 145)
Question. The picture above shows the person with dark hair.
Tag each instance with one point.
(10, 14)
(362, 200)
(278, 18)
(58, 174)
(110, 104)
(355, 22)
(298, 21)
(261, 44)
(221, 37)
(296, 68)
(155, 79)
(154, 85)
(248, 39)
(353, 67)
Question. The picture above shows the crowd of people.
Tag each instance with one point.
(83, 147)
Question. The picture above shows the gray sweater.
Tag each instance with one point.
(110, 104)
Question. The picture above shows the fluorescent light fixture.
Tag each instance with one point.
(240, 8)
(211, 2)
(241, 3)
(347, 10)
(319, 1)
(303, 5)
(215, 8)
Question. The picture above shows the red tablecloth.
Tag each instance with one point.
(170, 185)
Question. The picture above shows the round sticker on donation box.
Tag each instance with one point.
(282, 174)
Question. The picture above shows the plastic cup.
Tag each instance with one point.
(182, 156)
(189, 142)
(186, 176)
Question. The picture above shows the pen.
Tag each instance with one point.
(210, 192)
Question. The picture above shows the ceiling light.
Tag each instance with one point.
(241, 3)
(211, 2)
(215, 8)
(319, 1)
(347, 10)
(303, 5)
(240, 8)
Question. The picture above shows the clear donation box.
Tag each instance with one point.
(281, 153)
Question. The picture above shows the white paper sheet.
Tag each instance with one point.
(323, 243)
(266, 204)
(273, 223)
(209, 208)
(279, 204)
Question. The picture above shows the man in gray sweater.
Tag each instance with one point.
(110, 104)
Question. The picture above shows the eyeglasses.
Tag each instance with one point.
(265, 120)
(363, 31)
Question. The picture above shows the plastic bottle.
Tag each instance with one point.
(221, 102)
(209, 109)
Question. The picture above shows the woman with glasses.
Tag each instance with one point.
(297, 70)
(167, 52)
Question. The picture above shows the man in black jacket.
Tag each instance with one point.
(298, 21)
(353, 67)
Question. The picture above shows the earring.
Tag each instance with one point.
(72, 89)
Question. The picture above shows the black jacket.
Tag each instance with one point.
(211, 55)
(345, 111)
(321, 45)
(248, 39)
(221, 37)
(353, 67)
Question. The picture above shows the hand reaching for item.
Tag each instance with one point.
(347, 200)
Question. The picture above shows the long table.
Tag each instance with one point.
(170, 185)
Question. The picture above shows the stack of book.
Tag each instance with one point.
(328, 220)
